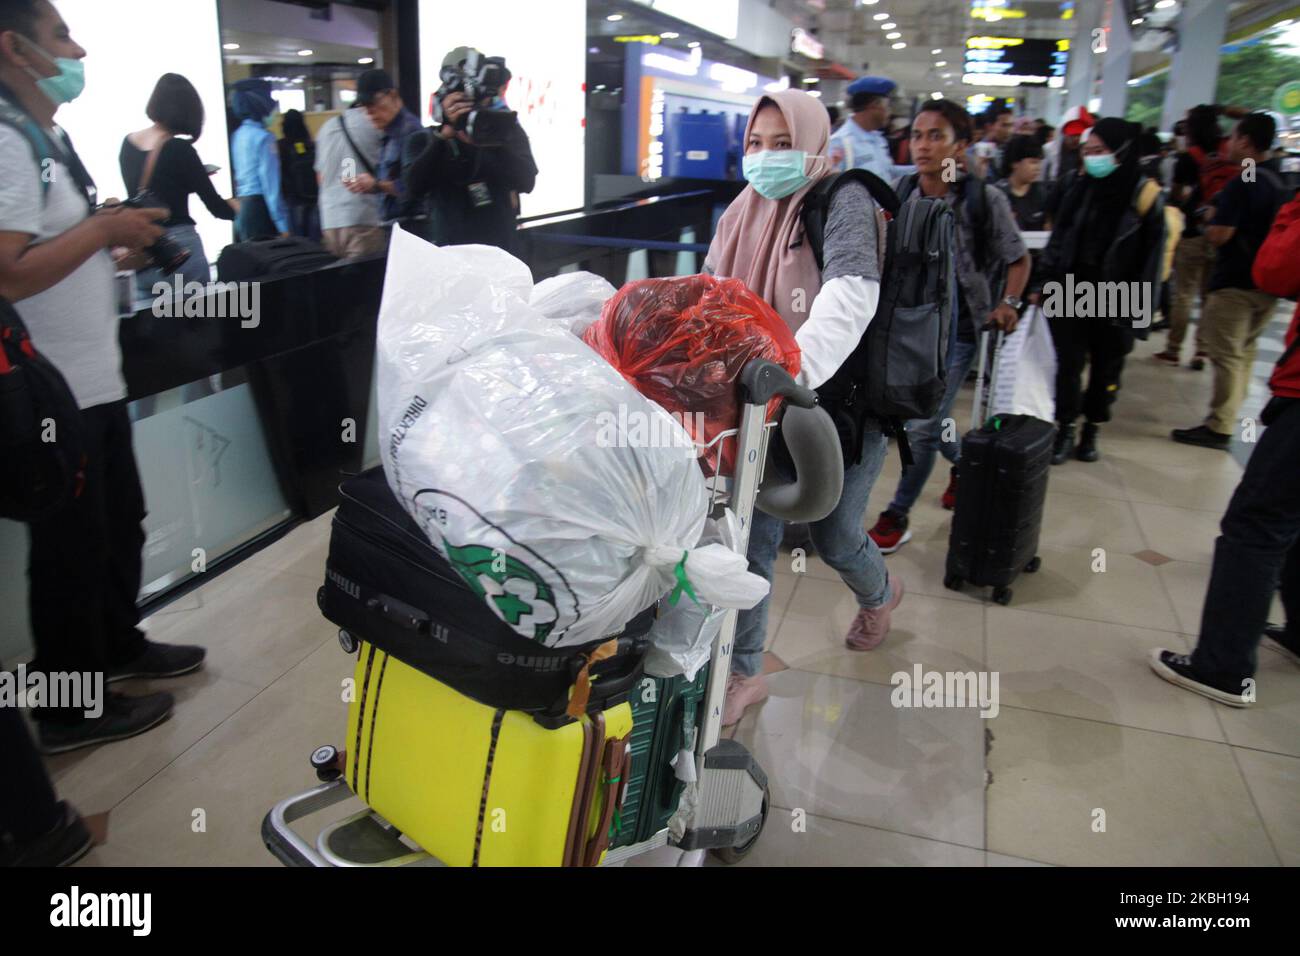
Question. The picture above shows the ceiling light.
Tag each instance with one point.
(693, 44)
(593, 49)
(1164, 4)
(935, 52)
(306, 52)
(940, 62)
(816, 93)
(1138, 21)
(230, 46)
(888, 26)
(880, 16)
(899, 45)
(669, 36)
(936, 95)
(892, 36)
(811, 79)
(366, 60)
(614, 17)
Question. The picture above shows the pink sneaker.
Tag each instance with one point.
(870, 626)
(742, 692)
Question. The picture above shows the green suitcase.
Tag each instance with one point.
(665, 713)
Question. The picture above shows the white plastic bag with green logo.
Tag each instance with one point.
(506, 439)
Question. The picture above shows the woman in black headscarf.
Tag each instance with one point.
(1110, 228)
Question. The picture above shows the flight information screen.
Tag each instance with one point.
(1015, 61)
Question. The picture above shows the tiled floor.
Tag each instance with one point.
(1090, 759)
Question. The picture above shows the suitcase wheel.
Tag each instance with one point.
(734, 854)
(348, 642)
(1034, 564)
(953, 582)
(1002, 595)
(327, 761)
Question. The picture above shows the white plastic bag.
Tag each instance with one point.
(683, 635)
(1026, 379)
(573, 299)
(499, 435)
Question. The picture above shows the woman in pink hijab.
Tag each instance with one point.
(760, 240)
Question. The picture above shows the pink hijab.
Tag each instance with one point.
(759, 241)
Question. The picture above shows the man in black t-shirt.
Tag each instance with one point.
(1236, 312)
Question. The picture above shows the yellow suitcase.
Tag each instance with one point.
(478, 786)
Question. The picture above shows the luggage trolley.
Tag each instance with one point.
(724, 809)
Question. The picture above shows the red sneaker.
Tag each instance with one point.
(949, 499)
(890, 532)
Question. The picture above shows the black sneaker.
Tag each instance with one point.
(1275, 636)
(1177, 669)
(123, 717)
(1087, 450)
(1200, 435)
(1064, 444)
(67, 843)
(160, 660)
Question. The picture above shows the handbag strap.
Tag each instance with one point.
(151, 161)
(343, 125)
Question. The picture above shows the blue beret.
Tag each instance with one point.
(875, 85)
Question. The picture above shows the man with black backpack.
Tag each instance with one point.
(85, 559)
(1236, 310)
(988, 247)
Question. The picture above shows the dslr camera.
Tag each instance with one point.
(480, 78)
(166, 254)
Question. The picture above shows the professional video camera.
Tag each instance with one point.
(480, 78)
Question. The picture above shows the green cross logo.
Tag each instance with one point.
(514, 591)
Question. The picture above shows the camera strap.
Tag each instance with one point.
(343, 125)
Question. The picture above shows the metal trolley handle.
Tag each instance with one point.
(813, 443)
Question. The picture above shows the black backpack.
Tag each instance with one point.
(899, 369)
(42, 462)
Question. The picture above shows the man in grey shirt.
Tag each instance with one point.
(347, 145)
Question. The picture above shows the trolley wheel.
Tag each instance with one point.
(348, 642)
(734, 854)
(953, 582)
(1002, 595)
(325, 761)
(1034, 564)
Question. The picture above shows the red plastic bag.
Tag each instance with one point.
(683, 342)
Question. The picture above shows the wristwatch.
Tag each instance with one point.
(1014, 301)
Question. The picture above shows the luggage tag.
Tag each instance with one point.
(480, 195)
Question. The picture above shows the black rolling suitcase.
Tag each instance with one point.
(387, 585)
(271, 259)
(1000, 498)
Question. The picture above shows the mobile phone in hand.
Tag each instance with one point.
(210, 169)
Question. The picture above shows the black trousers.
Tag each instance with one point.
(1257, 551)
(28, 807)
(1094, 342)
(85, 561)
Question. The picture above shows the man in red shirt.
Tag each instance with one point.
(1258, 550)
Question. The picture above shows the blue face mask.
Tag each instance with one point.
(1100, 166)
(66, 85)
(776, 173)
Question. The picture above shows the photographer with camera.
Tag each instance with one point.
(477, 159)
(85, 558)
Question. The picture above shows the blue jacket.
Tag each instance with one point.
(257, 169)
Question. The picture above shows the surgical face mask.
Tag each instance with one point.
(776, 173)
(1100, 166)
(66, 85)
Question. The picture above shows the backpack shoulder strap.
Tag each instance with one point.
(40, 144)
(905, 187)
(817, 204)
(1144, 195)
(361, 157)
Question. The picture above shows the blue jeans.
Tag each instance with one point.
(193, 269)
(840, 540)
(925, 435)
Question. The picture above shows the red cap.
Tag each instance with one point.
(1076, 121)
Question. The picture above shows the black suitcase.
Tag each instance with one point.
(271, 259)
(386, 584)
(1003, 488)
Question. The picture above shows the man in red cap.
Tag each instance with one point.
(1061, 157)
